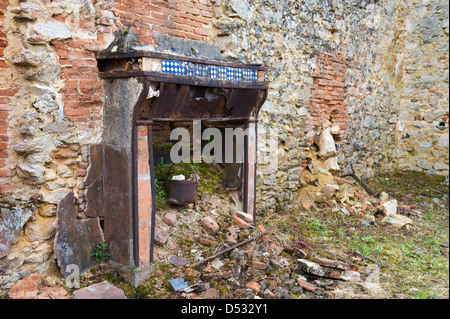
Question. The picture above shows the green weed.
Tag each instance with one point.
(101, 253)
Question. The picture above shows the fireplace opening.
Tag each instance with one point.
(152, 99)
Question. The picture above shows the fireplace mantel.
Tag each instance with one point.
(144, 86)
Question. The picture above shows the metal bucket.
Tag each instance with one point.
(182, 192)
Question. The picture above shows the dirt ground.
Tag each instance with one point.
(408, 262)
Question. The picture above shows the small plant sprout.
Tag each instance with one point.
(101, 253)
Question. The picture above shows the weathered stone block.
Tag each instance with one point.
(11, 223)
(75, 239)
(117, 203)
(94, 199)
(327, 146)
(389, 207)
(40, 230)
(170, 219)
(34, 173)
(210, 225)
(52, 30)
(161, 237)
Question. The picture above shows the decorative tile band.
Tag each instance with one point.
(209, 71)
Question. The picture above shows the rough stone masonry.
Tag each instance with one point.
(375, 73)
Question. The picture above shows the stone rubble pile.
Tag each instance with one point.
(35, 286)
(264, 269)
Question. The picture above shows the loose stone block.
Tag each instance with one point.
(11, 222)
(75, 239)
(210, 225)
(103, 290)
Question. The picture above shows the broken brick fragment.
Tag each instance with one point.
(170, 219)
(253, 286)
(278, 250)
(259, 265)
(208, 242)
(210, 225)
(306, 285)
(240, 222)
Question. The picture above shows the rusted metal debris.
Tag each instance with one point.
(182, 192)
(366, 188)
(233, 247)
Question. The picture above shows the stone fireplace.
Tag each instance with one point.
(145, 88)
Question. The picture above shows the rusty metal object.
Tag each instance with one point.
(233, 247)
(231, 179)
(189, 102)
(182, 192)
(75, 239)
(360, 182)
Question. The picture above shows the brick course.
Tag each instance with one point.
(6, 93)
(83, 91)
(328, 93)
(188, 19)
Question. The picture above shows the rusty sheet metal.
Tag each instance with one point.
(117, 204)
(177, 101)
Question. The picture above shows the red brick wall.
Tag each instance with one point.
(7, 91)
(82, 93)
(83, 90)
(328, 93)
(188, 19)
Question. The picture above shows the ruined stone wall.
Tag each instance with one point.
(319, 54)
(376, 72)
(186, 19)
(7, 90)
(403, 123)
(372, 70)
(422, 129)
(51, 106)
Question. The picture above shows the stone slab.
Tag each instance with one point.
(103, 290)
(117, 204)
(75, 239)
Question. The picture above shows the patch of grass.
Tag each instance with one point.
(411, 261)
(210, 179)
(426, 295)
(101, 253)
(160, 192)
(315, 224)
(416, 187)
(387, 182)
(368, 240)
